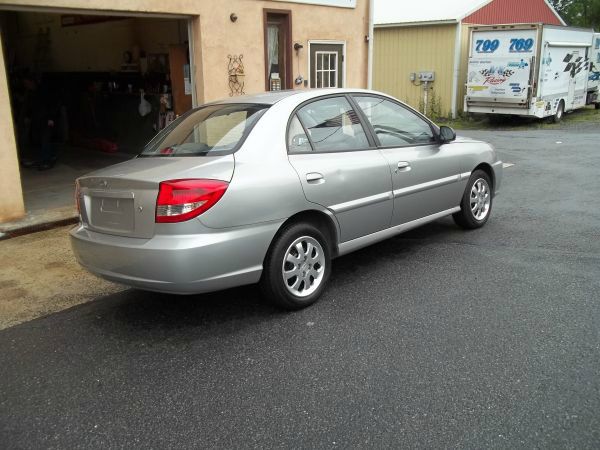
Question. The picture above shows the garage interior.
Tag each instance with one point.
(88, 91)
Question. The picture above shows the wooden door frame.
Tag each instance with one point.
(320, 42)
(287, 76)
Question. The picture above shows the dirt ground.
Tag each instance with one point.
(39, 275)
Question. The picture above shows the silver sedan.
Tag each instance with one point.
(270, 188)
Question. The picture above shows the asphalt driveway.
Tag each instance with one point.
(436, 338)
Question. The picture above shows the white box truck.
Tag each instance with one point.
(594, 75)
(529, 70)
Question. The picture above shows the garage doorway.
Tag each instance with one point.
(88, 91)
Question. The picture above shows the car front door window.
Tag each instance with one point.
(394, 125)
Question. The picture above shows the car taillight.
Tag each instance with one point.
(180, 200)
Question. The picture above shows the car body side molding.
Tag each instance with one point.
(425, 186)
(364, 241)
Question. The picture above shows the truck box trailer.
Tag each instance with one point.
(529, 70)
(594, 75)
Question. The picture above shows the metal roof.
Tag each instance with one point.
(403, 13)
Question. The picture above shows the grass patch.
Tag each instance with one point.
(583, 116)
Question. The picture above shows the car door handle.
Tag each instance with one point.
(315, 177)
(404, 166)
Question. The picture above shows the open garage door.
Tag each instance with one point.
(88, 91)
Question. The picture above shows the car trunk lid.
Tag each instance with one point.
(121, 199)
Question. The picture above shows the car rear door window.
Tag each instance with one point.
(333, 125)
(297, 140)
(394, 125)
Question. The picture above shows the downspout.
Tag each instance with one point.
(456, 71)
(370, 47)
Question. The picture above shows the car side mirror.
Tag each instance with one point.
(447, 134)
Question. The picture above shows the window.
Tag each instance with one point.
(297, 140)
(333, 125)
(212, 130)
(395, 125)
(326, 69)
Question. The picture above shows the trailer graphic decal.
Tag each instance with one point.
(576, 66)
(496, 75)
(516, 88)
(504, 77)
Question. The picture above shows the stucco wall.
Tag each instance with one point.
(399, 51)
(11, 202)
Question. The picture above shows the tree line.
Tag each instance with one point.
(579, 13)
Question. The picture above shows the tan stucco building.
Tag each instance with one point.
(281, 43)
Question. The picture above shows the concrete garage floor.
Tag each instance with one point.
(438, 338)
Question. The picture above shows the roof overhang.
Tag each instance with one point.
(417, 24)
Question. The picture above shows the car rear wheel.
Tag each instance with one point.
(297, 267)
(476, 203)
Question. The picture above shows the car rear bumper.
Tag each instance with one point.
(178, 264)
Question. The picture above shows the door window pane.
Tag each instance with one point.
(333, 125)
(394, 124)
(297, 140)
(327, 69)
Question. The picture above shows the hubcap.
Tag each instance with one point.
(480, 199)
(303, 266)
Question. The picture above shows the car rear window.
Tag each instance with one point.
(210, 130)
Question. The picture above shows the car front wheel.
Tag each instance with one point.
(297, 267)
(476, 203)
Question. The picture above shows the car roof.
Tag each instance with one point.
(270, 98)
(262, 98)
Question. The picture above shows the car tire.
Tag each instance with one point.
(560, 112)
(297, 267)
(476, 202)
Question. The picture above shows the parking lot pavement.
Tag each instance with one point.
(436, 338)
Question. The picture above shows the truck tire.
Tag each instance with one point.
(560, 112)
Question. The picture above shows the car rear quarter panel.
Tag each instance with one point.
(264, 187)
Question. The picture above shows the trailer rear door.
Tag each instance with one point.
(501, 66)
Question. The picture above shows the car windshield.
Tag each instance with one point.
(210, 130)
